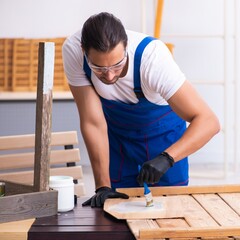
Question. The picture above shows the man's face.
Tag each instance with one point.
(108, 66)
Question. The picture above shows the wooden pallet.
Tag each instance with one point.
(25, 69)
(210, 212)
(6, 51)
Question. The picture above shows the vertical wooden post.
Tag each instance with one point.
(43, 115)
(158, 18)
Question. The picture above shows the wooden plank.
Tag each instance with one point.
(43, 116)
(64, 138)
(26, 177)
(135, 225)
(79, 189)
(218, 209)
(173, 223)
(217, 238)
(17, 230)
(6, 49)
(179, 190)
(189, 232)
(12, 188)
(232, 199)
(194, 214)
(25, 160)
(16, 62)
(29, 205)
(183, 206)
(28, 140)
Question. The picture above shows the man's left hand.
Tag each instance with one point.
(153, 170)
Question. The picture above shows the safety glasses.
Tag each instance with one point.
(114, 68)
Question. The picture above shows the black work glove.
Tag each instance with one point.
(152, 170)
(101, 195)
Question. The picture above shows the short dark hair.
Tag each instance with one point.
(103, 32)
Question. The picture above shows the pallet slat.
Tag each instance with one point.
(158, 191)
(26, 177)
(218, 209)
(25, 160)
(188, 232)
(28, 140)
(6, 61)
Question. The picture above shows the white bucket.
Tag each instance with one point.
(65, 187)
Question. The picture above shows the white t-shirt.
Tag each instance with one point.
(160, 75)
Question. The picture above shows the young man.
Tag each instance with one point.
(133, 103)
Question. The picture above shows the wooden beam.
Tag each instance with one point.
(158, 19)
(189, 232)
(43, 116)
(178, 190)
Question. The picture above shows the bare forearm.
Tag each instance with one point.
(198, 133)
(96, 141)
(204, 124)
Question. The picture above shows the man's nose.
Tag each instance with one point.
(109, 75)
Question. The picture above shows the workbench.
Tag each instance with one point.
(200, 213)
(82, 223)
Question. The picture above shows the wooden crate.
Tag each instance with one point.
(210, 212)
(25, 70)
(6, 56)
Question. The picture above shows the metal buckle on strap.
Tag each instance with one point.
(138, 92)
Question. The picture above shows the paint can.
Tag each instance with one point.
(2, 189)
(65, 187)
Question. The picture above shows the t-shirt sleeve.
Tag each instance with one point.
(160, 73)
(73, 63)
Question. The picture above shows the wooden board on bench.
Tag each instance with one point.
(181, 212)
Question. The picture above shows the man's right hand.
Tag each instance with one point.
(101, 195)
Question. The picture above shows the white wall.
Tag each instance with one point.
(204, 33)
(54, 18)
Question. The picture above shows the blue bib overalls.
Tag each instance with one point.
(139, 132)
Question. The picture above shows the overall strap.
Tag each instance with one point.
(86, 68)
(137, 63)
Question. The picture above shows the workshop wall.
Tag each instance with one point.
(204, 34)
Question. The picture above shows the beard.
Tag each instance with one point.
(107, 81)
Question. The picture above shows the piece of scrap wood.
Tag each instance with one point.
(17, 230)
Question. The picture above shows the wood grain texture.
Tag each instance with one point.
(28, 205)
(43, 116)
(222, 213)
(158, 191)
(17, 230)
(189, 232)
(190, 213)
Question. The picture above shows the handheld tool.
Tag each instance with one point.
(147, 193)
